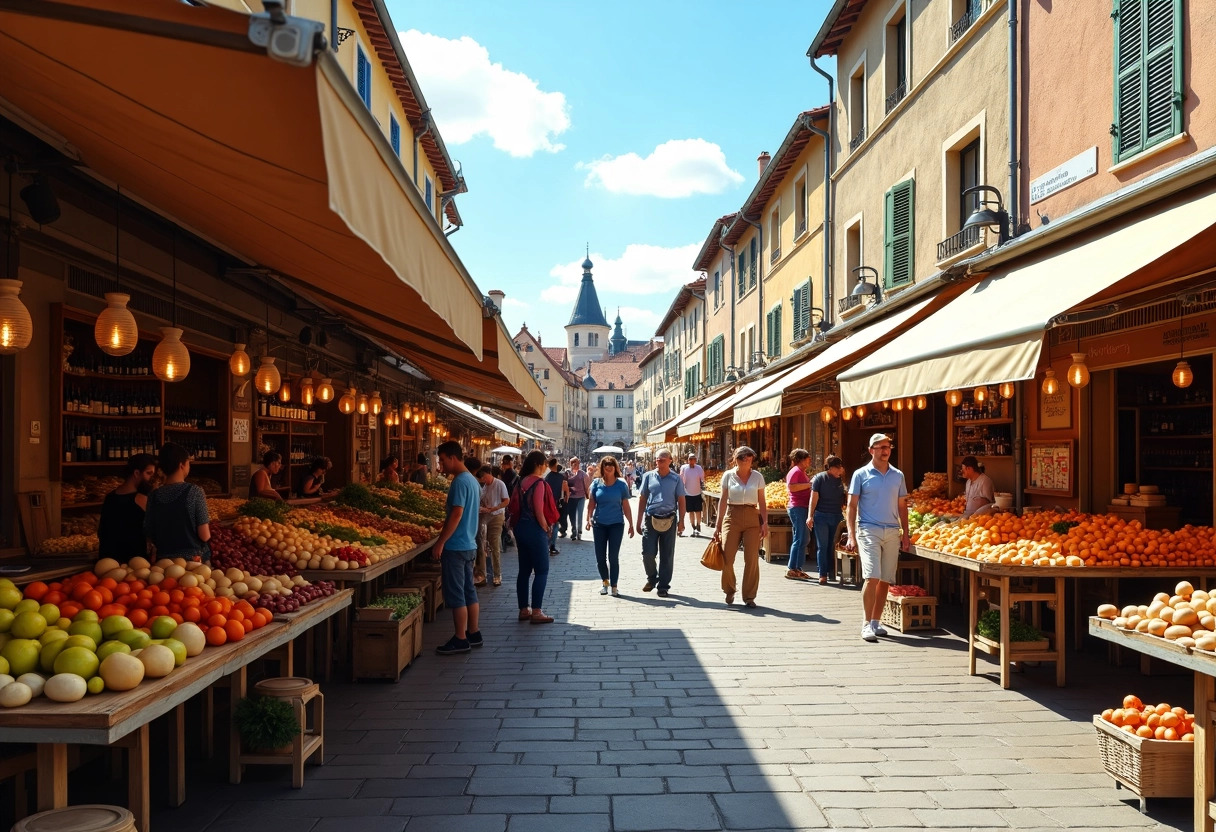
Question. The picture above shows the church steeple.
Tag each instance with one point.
(587, 311)
(619, 343)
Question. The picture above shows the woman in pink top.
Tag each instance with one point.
(799, 486)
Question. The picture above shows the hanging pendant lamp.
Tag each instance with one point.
(16, 326)
(285, 387)
(239, 363)
(1051, 384)
(306, 391)
(376, 403)
(268, 380)
(1078, 373)
(346, 404)
(171, 359)
(363, 406)
(1007, 390)
(1183, 375)
(921, 402)
(325, 390)
(954, 397)
(116, 332)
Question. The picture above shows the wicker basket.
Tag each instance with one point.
(1147, 768)
(910, 612)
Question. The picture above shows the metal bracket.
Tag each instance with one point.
(343, 34)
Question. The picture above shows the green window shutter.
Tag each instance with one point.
(775, 332)
(752, 274)
(898, 222)
(1148, 74)
(804, 311)
(796, 309)
(741, 274)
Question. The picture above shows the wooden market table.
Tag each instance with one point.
(123, 719)
(47, 568)
(1204, 667)
(1002, 576)
(766, 545)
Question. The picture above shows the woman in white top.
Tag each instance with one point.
(743, 511)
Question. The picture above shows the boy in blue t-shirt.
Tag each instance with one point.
(456, 549)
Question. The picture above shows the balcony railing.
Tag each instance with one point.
(972, 14)
(775, 256)
(848, 302)
(894, 98)
(856, 141)
(957, 244)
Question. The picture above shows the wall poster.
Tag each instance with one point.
(1055, 410)
(1050, 469)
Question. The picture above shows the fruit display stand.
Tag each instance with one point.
(1048, 587)
(123, 720)
(774, 546)
(1204, 667)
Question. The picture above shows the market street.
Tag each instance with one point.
(641, 713)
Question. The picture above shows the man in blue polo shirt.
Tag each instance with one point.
(660, 511)
(456, 549)
(878, 529)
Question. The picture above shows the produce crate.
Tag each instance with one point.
(780, 541)
(382, 649)
(431, 588)
(1146, 768)
(910, 612)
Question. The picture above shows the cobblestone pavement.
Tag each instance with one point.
(644, 713)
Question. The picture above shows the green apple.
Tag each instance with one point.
(85, 615)
(135, 639)
(163, 626)
(78, 660)
(4, 668)
(28, 625)
(96, 685)
(28, 605)
(49, 652)
(6, 619)
(22, 655)
(109, 647)
(53, 635)
(10, 597)
(178, 648)
(50, 612)
(87, 628)
(112, 625)
(80, 640)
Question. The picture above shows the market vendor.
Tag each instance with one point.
(120, 533)
(420, 471)
(389, 469)
(176, 522)
(260, 484)
(314, 481)
(980, 492)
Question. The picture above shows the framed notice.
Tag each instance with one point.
(1050, 469)
(1055, 410)
(240, 430)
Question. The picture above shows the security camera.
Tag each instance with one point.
(292, 40)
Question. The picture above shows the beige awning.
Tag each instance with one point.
(765, 403)
(993, 332)
(282, 165)
(658, 434)
(697, 422)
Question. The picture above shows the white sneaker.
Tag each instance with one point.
(878, 629)
(867, 632)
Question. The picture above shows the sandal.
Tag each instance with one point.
(539, 617)
(525, 615)
(794, 575)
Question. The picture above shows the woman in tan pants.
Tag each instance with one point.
(743, 511)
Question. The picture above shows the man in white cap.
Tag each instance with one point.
(878, 529)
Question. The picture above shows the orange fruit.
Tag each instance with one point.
(1133, 701)
(216, 636)
(36, 591)
(235, 630)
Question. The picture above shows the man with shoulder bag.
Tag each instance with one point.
(661, 510)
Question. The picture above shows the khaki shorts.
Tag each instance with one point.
(878, 551)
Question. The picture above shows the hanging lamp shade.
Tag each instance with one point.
(886, 405)
(116, 332)
(325, 390)
(1007, 390)
(921, 402)
(1051, 384)
(306, 391)
(430, 416)
(239, 363)
(285, 392)
(860, 410)
(363, 407)
(980, 394)
(1183, 375)
(846, 413)
(897, 405)
(1078, 373)
(954, 397)
(347, 403)
(407, 411)
(16, 327)
(171, 359)
(827, 414)
(375, 402)
(268, 380)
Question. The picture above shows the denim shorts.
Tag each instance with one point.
(458, 590)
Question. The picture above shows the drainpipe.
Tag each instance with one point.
(426, 128)
(1014, 162)
(759, 282)
(333, 25)
(829, 152)
(733, 300)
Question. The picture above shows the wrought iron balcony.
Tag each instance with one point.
(775, 256)
(848, 302)
(959, 243)
(972, 14)
(856, 141)
(894, 98)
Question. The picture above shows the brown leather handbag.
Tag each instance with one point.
(712, 559)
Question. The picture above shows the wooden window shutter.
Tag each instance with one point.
(741, 276)
(898, 216)
(363, 81)
(752, 274)
(804, 311)
(774, 329)
(1148, 74)
(796, 309)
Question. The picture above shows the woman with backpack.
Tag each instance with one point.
(529, 501)
(608, 516)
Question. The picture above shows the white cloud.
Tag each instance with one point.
(678, 168)
(472, 96)
(515, 304)
(638, 323)
(559, 293)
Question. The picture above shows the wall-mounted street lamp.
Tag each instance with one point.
(984, 216)
(862, 288)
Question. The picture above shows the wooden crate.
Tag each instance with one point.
(780, 541)
(431, 588)
(906, 613)
(1146, 768)
(382, 649)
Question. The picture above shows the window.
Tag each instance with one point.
(852, 261)
(620, 423)
(896, 60)
(774, 235)
(715, 358)
(857, 106)
(800, 207)
(717, 289)
(552, 413)
(800, 310)
(394, 134)
(528, 348)
(751, 276)
(593, 339)
(576, 339)
(968, 177)
(546, 374)
(619, 401)
(531, 368)
(599, 401)
(741, 274)
(363, 76)
(964, 13)
(428, 194)
(898, 215)
(1148, 74)
(772, 327)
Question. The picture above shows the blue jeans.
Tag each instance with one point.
(608, 550)
(533, 559)
(574, 512)
(798, 546)
(553, 529)
(825, 542)
(662, 544)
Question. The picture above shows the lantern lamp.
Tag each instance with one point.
(1051, 384)
(376, 403)
(1078, 373)
(325, 390)
(16, 326)
(897, 405)
(886, 405)
(285, 391)
(363, 407)
(116, 332)
(980, 394)
(346, 404)
(846, 413)
(954, 397)
(267, 381)
(1007, 390)
(827, 414)
(239, 363)
(306, 391)
(860, 410)
(171, 359)
(921, 402)
(1183, 375)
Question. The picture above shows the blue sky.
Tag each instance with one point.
(630, 127)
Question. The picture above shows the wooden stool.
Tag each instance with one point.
(89, 818)
(299, 692)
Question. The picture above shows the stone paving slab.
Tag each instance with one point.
(641, 714)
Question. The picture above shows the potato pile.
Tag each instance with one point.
(1188, 617)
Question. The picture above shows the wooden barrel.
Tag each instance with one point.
(287, 687)
(89, 818)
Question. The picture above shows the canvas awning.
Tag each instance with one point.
(691, 415)
(658, 433)
(993, 332)
(765, 403)
(726, 405)
(282, 165)
(503, 430)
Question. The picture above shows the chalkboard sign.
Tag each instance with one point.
(1055, 409)
(1050, 469)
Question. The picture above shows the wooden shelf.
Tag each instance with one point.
(192, 430)
(292, 421)
(108, 463)
(1170, 406)
(80, 414)
(70, 506)
(1207, 436)
(962, 423)
(110, 377)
